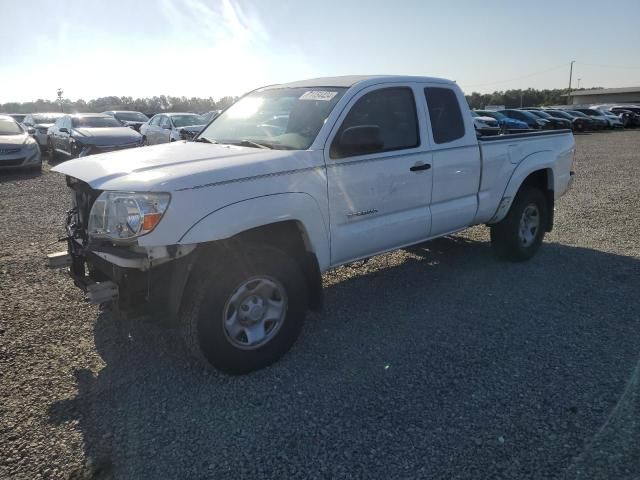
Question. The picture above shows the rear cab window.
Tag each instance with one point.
(447, 123)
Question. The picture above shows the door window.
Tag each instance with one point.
(155, 121)
(380, 121)
(165, 122)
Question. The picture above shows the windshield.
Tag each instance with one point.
(285, 118)
(9, 127)
(578, 114)
(188, 120)
(131, 117)
(541, 114)
(559, 114)
(496, 115)
(45, 118)
(95, 122)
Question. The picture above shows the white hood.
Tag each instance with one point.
(177, 165)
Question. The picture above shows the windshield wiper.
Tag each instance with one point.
(204, 140)
(250, 143)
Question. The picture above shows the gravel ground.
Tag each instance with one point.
(434, 362)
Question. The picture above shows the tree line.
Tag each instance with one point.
(163, 103)
(149, 106)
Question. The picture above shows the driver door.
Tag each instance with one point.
(379, 194)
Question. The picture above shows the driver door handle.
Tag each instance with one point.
(420, 166)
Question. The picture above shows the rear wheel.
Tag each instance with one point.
(246, 312)
(519, 235)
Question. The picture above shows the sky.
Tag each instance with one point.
(214, 48)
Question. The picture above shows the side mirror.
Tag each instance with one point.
(31, 131)
(63, 130)
(359, 140)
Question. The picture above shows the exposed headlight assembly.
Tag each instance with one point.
(125, 215)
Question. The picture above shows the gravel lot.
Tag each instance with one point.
(435, 362)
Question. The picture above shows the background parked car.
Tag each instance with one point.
(556, 123)
(485, 125)
(578, 123)
(17, 147)
(600, 120)
(18, 117)
(41, 122)
(615, 120)
(85, 134)
(633, 118)
(170, 127)
(509, 125)
(529, 118)
(596, 123)
(129, 118)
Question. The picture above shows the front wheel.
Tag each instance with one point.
(243, 312)
(519, 235)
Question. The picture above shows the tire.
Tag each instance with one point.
(145, 142)
(510, 238)
(215, 296)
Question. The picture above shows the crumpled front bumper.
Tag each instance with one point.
(132, 280)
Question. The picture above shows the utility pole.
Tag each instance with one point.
(60, 92)
(570, 75)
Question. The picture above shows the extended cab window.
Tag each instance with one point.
(380, 121)
(444, 111)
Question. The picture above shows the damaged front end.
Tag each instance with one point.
(132, 277)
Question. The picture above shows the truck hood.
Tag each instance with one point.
(179, 165)
(106, 136)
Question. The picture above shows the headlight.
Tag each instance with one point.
(125, 215)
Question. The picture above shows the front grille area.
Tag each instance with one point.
(14, 162)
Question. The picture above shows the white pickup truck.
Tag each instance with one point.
(230, 233)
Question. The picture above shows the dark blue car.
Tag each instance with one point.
(506, 123)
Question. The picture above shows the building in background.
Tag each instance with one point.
(605, 95)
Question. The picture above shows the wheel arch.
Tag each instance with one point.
(291, 222)
(537, 170)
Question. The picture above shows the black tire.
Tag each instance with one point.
(145, 143)
(506, 237)
(210, 288)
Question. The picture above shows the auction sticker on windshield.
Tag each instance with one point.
(318, 95)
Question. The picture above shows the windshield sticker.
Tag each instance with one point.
(318, 95)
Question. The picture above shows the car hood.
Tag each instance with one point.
(180, 165)
(7, 141)
(106, 136)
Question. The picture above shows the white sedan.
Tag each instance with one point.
(170, 127)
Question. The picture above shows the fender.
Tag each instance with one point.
(543, 160)
(238, 217)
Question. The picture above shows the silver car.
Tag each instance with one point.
(41, 122)
(170, 127)
(17, 147)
